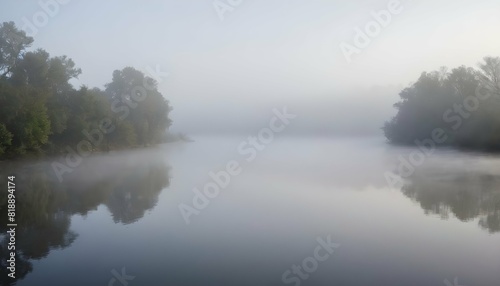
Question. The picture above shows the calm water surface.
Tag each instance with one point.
(120, 212)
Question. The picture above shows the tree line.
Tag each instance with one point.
(463, 104)
(42, 113)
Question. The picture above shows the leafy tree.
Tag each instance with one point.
(24, 115)
(13, 42)
(31, 126)
(490, 74)
(40, 111)
(5, 138)
(438, 100)
(147, 108)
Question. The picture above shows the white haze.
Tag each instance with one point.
(226, 76)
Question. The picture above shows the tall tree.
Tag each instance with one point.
(490, 74)
(147, 109)
(40, 110)
(449, 100)
(13, 42)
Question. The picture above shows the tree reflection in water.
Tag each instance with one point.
(127, 185)
(467, 194)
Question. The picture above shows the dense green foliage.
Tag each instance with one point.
(41, 112)
(462, 104)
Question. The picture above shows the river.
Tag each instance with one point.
(301, 211)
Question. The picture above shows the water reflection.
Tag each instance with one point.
(127, 185)
(468, 194)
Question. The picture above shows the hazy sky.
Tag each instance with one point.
(266, 53)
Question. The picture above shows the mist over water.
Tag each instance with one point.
(124, 209)
(233, 142)
(359, 112)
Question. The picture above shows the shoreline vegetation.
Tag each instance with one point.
(458, 108)
(41, 113)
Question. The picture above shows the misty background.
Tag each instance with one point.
(226, 75)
